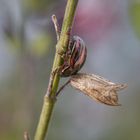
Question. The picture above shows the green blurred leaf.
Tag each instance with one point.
(135, 17)
(40, 45)
(37, 4)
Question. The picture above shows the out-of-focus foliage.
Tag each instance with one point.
(37, 4)
(26, 52)
(40, 45)
(134, 11)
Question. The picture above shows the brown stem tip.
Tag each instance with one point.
(26, 136)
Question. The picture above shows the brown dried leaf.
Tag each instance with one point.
(98, 88)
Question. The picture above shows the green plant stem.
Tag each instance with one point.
(44, 118)
(61, 47)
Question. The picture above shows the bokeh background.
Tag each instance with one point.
(111, 30)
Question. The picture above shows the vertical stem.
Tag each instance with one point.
(44, 118)
(61, 47)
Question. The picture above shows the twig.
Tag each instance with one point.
(62, 87)
(51, 82)
(26, 136)
(57, 27)
(61, 47)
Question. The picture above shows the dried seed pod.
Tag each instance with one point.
(97, 88)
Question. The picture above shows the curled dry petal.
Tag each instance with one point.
(98, 88)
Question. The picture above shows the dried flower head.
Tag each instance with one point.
(98, 88)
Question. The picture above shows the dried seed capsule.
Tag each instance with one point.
(74, 58)
(97, 88)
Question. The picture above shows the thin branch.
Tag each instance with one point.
(62, 87)
(56, 26)
(26, 136)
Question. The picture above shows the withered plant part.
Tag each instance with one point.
(97, 87)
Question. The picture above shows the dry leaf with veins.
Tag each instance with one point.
(98, 88)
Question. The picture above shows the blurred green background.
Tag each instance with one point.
(111, 31)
